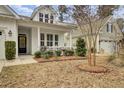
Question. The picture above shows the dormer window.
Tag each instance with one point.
(46, 18)
(41, 17)
(51, 19)
(109, 28)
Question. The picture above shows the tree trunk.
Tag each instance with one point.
(94, 58)
(89, 58)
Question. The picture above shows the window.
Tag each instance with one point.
(56, 40)
(49, 40)
(109, 28)
(51, 19)
(0, 33)
(42, 39)
(46, 18)
(41, 17)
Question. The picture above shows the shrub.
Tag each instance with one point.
(47, 54)
(58, 52)
(10, 49)
(68, 52)
(37, 54)
(50, 53)
(80, 47)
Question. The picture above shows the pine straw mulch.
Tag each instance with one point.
(93, 69)
(61, 74)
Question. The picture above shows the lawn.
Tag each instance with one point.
(60, 74)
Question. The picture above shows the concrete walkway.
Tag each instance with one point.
(23, 59)
(1, 64)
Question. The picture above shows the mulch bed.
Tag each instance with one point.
(62, 58)
(93, 69)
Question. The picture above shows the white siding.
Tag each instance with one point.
(10, 25)
(3, 10)
(2, 44)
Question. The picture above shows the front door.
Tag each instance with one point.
(22, 43)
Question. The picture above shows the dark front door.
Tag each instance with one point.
(22, 43)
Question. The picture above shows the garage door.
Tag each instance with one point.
(2, 47)
(107, 46)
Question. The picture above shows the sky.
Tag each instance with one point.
(28, 9)
(24, 9)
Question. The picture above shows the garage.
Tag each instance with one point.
(2, 44)
(107, 46)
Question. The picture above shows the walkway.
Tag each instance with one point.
(23, 59)
(1, 64)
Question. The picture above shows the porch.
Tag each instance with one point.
(32, 38)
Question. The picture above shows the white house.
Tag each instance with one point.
(31, 33)
(44, 29)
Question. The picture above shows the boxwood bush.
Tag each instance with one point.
(67, 52)
(58, 52)
(37, 54)
(10, 49)
(47, 54)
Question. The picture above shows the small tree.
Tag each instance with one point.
(80, 47)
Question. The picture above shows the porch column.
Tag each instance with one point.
(70, 37)
(38, 37)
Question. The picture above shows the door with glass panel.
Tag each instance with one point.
(22, 43)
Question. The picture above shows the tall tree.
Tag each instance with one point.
(90, 20)
(62, 10)
(106, 10)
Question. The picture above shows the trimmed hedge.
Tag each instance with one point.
(10, 49)
(68, 52)
(58, 52)
(48, 54)
(37, 54)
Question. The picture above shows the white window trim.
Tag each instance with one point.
(42, 40)
(50, 41)
(55, 40)
(41, 17)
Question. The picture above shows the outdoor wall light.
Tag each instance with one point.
(10, 33)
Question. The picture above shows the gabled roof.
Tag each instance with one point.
(11, 10)
(100, 23)
(40, 7)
